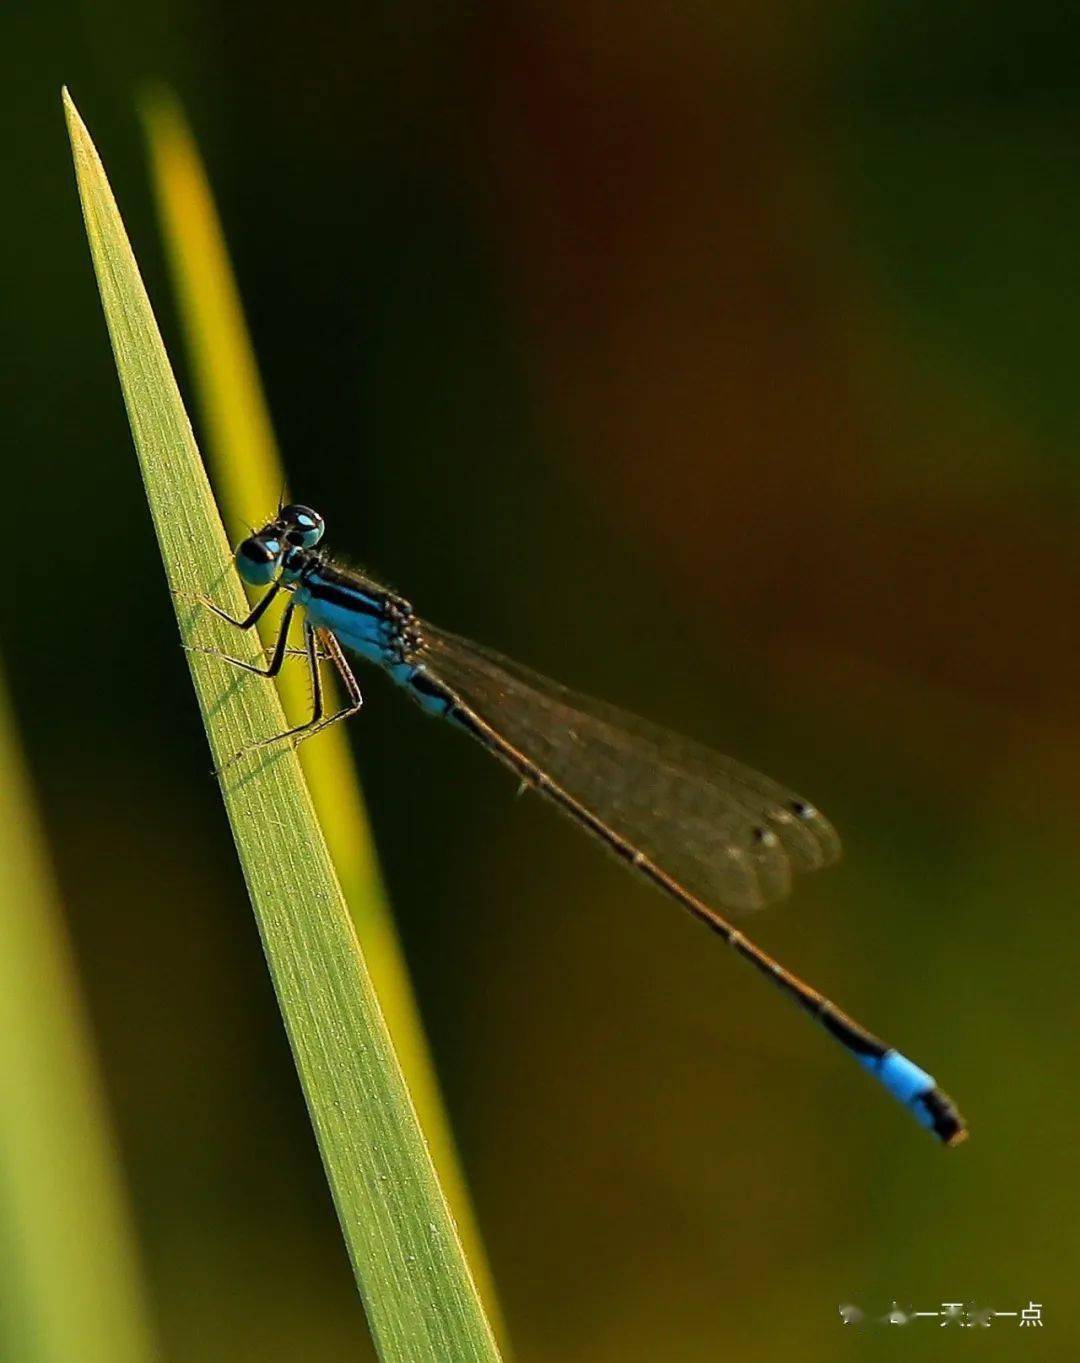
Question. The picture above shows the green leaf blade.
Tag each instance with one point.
(420, 1297)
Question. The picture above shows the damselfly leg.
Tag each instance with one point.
(280, 650)
(256, 614)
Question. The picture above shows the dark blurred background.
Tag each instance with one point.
(718, 359)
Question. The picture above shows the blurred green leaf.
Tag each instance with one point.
(247, 471)
(71, 1280)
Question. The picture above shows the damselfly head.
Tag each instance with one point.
(258, 558)
(301, 526)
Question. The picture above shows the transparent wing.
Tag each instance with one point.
(729, 835)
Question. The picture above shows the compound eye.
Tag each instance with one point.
(302, 525)
(257, 560)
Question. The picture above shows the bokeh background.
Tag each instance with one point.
(718, 359)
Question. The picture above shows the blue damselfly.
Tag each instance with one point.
(701, 827)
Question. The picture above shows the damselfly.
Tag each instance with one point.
(703, 828)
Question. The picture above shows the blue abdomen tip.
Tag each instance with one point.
(901, 1076)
